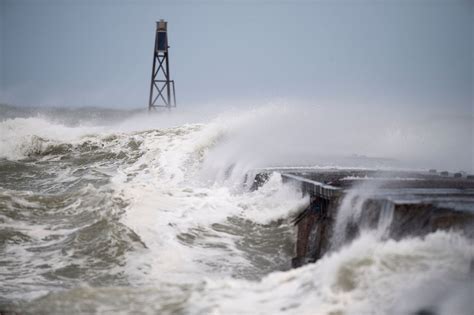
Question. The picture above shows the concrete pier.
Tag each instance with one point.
(418, 203)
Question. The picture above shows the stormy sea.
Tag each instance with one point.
(125, 212)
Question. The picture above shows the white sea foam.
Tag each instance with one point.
(168, 196)
(369, 276)
(20, 137)
(182, 179)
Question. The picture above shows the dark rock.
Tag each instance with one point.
(297, 262)
(259, 180)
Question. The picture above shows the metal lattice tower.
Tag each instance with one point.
(161, 86)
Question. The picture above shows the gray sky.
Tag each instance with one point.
(406, 53)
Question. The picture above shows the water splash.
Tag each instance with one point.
(156, 211)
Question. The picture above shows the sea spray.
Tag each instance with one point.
(150, 215)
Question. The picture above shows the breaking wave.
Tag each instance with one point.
(154, 213)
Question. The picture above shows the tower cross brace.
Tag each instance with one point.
(162, 91)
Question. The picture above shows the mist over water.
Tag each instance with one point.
(285, 133)
(124, 211)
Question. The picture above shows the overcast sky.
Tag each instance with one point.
(406, 53)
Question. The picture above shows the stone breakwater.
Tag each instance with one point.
(394, 205)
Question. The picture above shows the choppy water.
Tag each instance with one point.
(150, 215)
